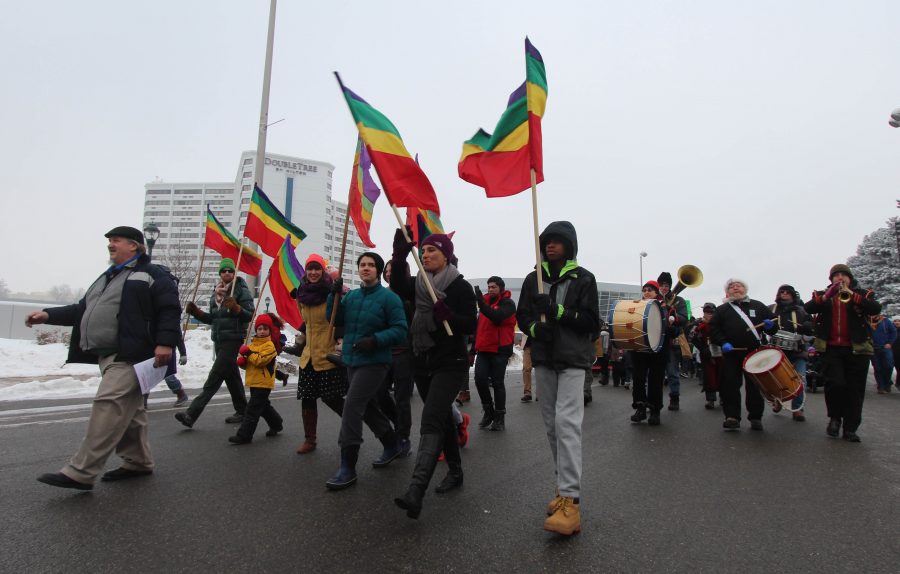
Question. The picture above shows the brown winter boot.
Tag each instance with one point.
(310, 421)
(566, 520)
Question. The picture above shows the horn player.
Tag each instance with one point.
(843, 337)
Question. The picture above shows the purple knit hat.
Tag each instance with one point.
(442, 242)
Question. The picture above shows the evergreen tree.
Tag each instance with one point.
(876, 266)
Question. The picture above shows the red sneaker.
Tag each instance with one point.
(462, 430)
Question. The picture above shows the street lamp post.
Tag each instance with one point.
(643, 254)
(151, 234)
(268, 300)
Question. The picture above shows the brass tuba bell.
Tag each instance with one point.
(688, 276)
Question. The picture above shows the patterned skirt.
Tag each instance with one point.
(330, 384)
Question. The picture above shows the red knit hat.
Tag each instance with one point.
(264, 320)
(316, 258)
(653, 284)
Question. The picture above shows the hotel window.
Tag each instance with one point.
(159, 191)
(246, 174)
(248, 161)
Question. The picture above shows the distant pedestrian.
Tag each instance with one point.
(493, 346)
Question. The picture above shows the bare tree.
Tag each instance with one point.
(4, 289)
(63, 294)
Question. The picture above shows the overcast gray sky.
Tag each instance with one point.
(747, 138)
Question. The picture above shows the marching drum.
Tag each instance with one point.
(774, 374)
(786, 340)
(637, 325)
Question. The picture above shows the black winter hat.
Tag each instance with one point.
(126, 232)
(664, 277)
(840, 268)
(379, 262)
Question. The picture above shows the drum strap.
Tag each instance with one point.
(747, 320)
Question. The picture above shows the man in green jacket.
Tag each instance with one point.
(229, 314)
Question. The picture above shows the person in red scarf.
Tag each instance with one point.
(844, 337)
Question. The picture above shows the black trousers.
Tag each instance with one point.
(845, 385)
(649, 373)
(490, 372)
(730, 388)
(439, 391)
(398, 408)
(224, 369)
(259, 406)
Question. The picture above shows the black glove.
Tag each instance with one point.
(543, 331)
(192, 309)
(338, 286)
(441, 311)
(543, 304)
(365, 344)
(402, 247)
(479, 294)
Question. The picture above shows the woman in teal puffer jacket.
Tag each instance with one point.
(373, 321)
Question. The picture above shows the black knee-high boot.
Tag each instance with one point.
(430, 446)
(454, 477)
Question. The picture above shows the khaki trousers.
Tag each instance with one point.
(118, 422)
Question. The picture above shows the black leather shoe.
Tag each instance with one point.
(731, 424)
(63, 481)
(654, 418)
(273, 432)
(851, 436)
(235, 419)
(453, 480)
(185, 419)
(756, 424)
(834, 425)
(124, 473)
(238, 439)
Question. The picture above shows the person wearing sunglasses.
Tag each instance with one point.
(229, 314)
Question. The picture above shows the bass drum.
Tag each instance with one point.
(637, 325)
(773, 373)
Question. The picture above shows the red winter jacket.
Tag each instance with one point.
(496, 325)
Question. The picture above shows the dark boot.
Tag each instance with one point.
(674, 403)
(310, 422)
(392, 449)
(454, 479)
(640, 413)
(426, 459)
(834, 426)
(498, 423)
(346, 475)
(654, 417)
(488, 417)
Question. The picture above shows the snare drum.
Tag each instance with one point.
(774, 374)
(786, 340)
(637, 325)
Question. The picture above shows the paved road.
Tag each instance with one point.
(683, 497)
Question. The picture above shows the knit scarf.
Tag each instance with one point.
(313, 294)
(423, 320)
(222, 292)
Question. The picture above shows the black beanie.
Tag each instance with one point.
(664, 277)
(379, 262)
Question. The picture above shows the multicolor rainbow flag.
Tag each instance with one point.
(267, 226)
(423, 223)
(363, 193)
(284, 276)
(403, 181)
(225, 244)
(501, 163)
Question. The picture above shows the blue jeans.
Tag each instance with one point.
(800, 365)
(883, 361)
(673, 371)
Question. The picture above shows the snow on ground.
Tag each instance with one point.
(51, 378)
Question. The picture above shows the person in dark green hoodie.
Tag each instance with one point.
(563, 318)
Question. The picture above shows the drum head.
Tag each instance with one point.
(653, 326)
(763, 360)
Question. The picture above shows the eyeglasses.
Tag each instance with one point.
(226, 271)
(785, 291)
(647, 290)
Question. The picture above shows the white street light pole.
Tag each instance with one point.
(643, 254)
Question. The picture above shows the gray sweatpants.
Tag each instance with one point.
(360, 405)
(562, 407)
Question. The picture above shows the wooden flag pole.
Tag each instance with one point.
(256, 307)
(337, 296)
(539, 272)
(237, 265)
(415, 253)
(196, 288)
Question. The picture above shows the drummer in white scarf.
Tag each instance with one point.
(734, 327)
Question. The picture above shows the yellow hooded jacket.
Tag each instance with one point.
(261, 363)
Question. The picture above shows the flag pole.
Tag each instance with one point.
(337, 296)
(256, 307)
(237, 265)
(539, 273)
(196, 288)
(415, 253)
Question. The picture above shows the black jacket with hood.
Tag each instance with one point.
(575, 288)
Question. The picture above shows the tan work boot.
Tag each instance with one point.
(551, 507)
(566, 519)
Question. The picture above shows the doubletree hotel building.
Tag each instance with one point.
(300, 188)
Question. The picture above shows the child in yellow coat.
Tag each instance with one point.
(258, 358)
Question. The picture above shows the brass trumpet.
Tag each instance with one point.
(688, 276)
(845, 295)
